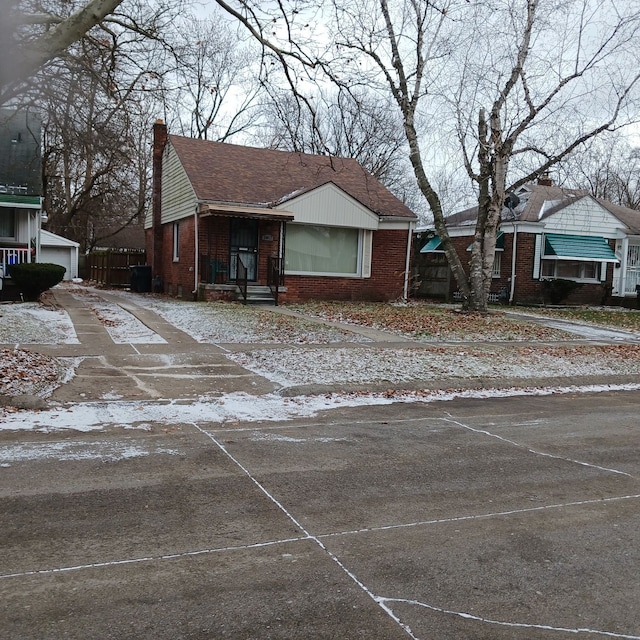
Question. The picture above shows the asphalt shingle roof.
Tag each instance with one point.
(227, 173)
(541, 201)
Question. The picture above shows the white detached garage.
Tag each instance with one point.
(55, 249)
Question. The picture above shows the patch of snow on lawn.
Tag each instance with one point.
(335, 366)
(33, 323)
(224, 322)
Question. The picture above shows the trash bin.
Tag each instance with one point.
(141, 278)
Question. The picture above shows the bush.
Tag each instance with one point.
(557, 291)
(33, 278)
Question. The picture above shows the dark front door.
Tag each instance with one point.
(244, 245)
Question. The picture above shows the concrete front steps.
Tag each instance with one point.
(258, 294)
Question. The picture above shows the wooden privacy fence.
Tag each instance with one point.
(113, 268)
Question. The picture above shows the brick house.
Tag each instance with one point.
(549, 233)
(229, 220)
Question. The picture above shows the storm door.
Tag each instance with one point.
(244, 245)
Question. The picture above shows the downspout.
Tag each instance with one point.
(407, 265)
(513, 262)
(196, 259)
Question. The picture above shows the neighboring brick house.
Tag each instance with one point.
(315, 227)
(551, 233)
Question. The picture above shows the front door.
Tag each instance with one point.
(244, 245)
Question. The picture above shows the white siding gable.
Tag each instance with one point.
(178, 196)
(584, 217)
(329, 206)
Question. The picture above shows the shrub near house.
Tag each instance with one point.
(33, 278)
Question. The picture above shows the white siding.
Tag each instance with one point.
(178, 196)
(330, 206)
(584, 217)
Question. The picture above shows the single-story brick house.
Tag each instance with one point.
(549, 233)
(309, 227)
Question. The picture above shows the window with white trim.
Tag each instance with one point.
(176, 241)
(497, 264)
(7, 223)
(571, 269)
(314, 249)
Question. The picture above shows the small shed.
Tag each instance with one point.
(55, 249)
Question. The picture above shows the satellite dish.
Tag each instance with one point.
(511, 201)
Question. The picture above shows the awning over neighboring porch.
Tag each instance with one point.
(435, 245)
(558, 246)
(239, 211)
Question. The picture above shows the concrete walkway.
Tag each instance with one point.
(180, 368)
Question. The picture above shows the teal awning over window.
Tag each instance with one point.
(558, 246)
(499, 242)
(433, 245)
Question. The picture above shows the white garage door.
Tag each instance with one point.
(58, 255)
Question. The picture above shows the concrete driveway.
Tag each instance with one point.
(484, 519)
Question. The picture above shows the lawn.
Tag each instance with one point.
(615, 318)
(431, 322)
(425, 321)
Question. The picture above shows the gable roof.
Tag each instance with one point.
(227, 173)
(538, 202)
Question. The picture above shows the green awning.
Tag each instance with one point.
(586, 248)
(499, 242)
(20, 200)
(432, 246)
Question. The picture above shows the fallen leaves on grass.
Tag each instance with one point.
(428, 322)
(23, 372)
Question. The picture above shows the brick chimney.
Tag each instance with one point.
(545, 179)
(159, 142)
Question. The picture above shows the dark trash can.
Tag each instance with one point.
(141, 278)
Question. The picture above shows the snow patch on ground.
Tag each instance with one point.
(77, 450)
(357, 366)
(233, 409)
(33, 323)
(224, 322)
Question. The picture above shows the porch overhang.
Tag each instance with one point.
(241, 211)
(19, 201)
(558, 246)
(433, 246)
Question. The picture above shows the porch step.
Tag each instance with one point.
(259, 294)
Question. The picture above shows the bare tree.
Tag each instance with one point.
(97, 101)
(215, 89)
(608, 169)
(31, 36)
(352, 124)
